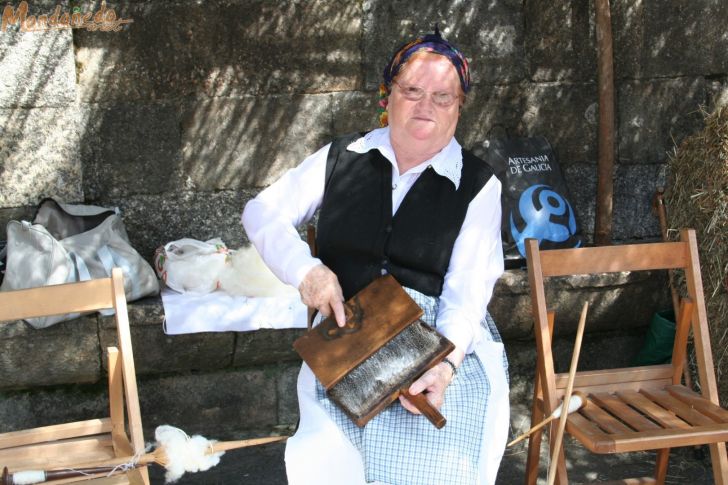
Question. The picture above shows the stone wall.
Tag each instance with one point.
(184, 114)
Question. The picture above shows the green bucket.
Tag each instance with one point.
(659, 340)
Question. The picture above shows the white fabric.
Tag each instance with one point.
(335, 460)
(270, 221)
(221, 312)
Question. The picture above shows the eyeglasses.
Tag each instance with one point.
(414, 93)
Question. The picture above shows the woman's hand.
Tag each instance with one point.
(433, 383)
(320, 289)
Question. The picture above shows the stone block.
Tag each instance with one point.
(130, 149)
(158, 353)
(489, 111)
(23, 213)
(677, 38)
(581, 179)
(39, 155)
(655, 115)
(560, 41)
(608, 295)
(633, 187)
(356, 111)
(154, 220)
(222, 48)
(212, 404)
(65, 353)
(562, 112)
(643, 293)
(266, 346)
(599, 350)
(490, 34)
(38, 66)
(229, 143)
(510, 305)
(287, 394)
(44, 406)
(634, 190)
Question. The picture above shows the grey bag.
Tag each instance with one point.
(37, 257)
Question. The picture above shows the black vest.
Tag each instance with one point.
(358, 238)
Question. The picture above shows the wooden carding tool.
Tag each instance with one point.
(377, 354)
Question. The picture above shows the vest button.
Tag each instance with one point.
(383, 271)
(388, 229)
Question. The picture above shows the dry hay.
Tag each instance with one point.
(697, 197)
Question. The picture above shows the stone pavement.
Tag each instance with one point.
(263, 465)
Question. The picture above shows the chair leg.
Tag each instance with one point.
(663, 456)
(138, 476)
(720, 463)
(534, 441)
(534, 452)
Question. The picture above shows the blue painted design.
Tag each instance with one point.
(538, 206)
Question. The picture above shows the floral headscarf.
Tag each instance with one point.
(429, 43)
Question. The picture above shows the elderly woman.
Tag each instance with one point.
(407, 200)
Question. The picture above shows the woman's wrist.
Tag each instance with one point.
(453, 368)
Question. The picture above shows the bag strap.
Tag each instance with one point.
(111, 259)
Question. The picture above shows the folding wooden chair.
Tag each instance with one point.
(85, 442)
(636, 408)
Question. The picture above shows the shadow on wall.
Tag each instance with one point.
(39, 132)
(207, 97)
(185, 113)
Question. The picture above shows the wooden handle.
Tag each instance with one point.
(582, 402)
(531, 431)
(232, 445)
(567, 396)
(428, 410)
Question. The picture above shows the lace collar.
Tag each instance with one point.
(448, 162)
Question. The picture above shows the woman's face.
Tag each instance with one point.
(424, 122)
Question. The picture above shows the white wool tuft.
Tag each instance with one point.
(184, 453)
(249, 276)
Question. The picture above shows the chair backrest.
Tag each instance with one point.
(85, 297)
(681, 255)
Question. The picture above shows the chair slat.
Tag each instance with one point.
(657, 413)
(584, 429)
(604, 420)
(617, 407)
(81, 297)
(699, 402)
(55, 432)
(662, 373)
(670, 438)
(684, 411)
(58, 454)
(611, 259)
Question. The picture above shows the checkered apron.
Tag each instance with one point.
(401, 448)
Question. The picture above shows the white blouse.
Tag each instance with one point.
(271, 218)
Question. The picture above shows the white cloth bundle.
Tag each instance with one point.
(200, 267)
